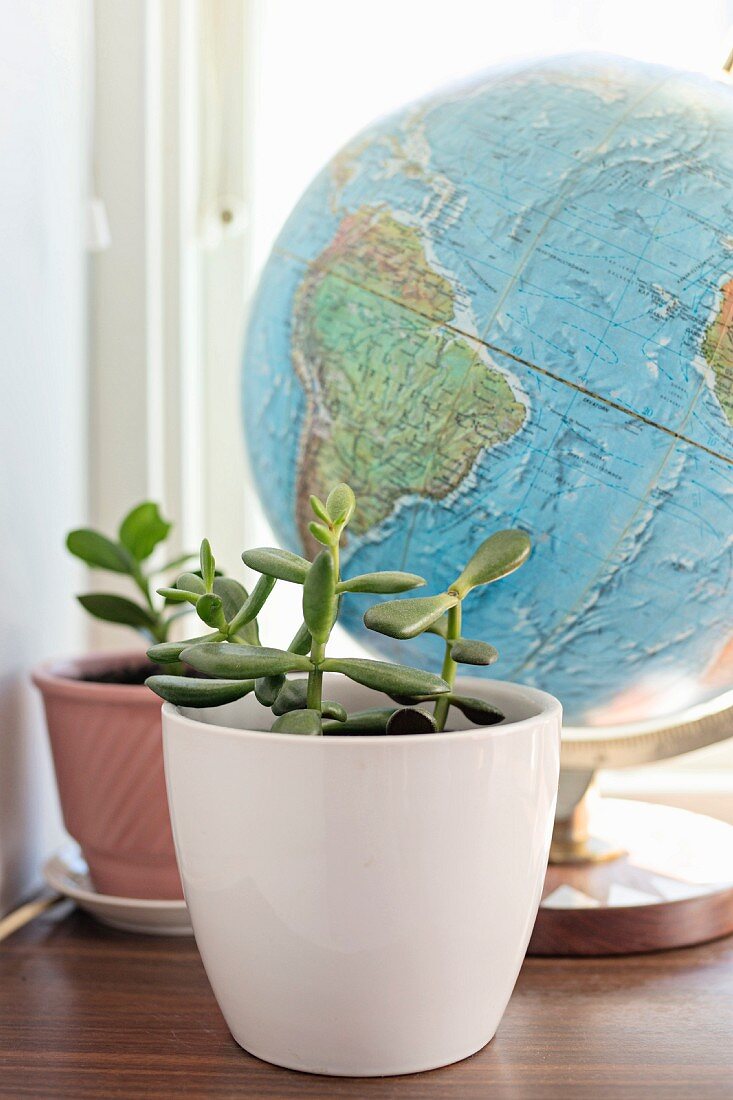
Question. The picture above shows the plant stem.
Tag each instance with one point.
(160, 630)
(448, 672)
(314, 700)
(336, 562)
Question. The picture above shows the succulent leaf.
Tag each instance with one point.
(408, 618)
(252, 606)
(497, 557)
(321, 534)
(439, 627)
(192, 691)
(170, 652)
(304, 722)
(319, 597)
(232, 594)
(340, 504)
(470, 651)
(280, 564)
(191, 582)
(294, 696)
(476, 710)
(209, 610)
(301, 643)
(372, 721)
(268, 688)
(389, 678)
(319, 510)
(333, 710)
(386, 583)
(411, 720)
(208, 565)
(240, 662)
(179, 595)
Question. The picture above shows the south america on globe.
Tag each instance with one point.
(511, 305)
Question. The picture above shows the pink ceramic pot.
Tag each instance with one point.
(107, 749)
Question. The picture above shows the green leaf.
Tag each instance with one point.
(142, 529)
(391, 679)
(330, 709)
(321, 534)
(408, 618)
(439, 627)
(178, 595)
(169, 652)
(369, 722)
(412, 700)
(99, 551)
(469, 651)
(191, 691)
(305, 722)
(277, 563)
(497, 557)
(252, 606)
(411, 720)
(340, 504)
(294, 696)
(188, 588)
(385, 583)
(209, 610)
(268, 688)
(117, 609)
(208, 565)
(232, 594)
(191, 582)
(302, 641)
(319, 509)
(240, 662)
(319, 597)
(476, 710)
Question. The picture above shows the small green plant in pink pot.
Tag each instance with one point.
(104, 725)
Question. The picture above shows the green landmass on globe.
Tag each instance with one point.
(408, 414)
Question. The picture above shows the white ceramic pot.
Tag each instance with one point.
(363, 905)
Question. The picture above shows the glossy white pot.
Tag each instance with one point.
(363, 905)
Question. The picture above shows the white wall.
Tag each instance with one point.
(42, 400)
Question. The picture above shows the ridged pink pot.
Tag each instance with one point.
(107, 750)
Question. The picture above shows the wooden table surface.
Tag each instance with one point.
(86, 1012)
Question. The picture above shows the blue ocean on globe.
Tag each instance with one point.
(511, 304)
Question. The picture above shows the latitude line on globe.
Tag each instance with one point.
(576, 611)
(530, 365)
(301, 261)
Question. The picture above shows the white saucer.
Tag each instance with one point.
(67, 873)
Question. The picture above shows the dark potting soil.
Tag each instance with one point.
(136, 673)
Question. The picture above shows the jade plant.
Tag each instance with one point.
(141, 531)
(231, 662)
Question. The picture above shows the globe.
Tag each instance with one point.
(511, 304)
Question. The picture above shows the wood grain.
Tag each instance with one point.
(86, 1013)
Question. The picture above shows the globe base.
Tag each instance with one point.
(653, 878)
